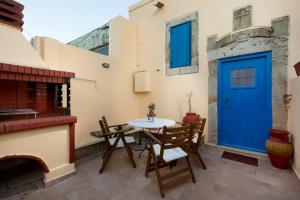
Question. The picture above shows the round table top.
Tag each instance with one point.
(157, 123)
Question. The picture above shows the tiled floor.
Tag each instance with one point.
(223, 180)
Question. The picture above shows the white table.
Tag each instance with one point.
(157, 123)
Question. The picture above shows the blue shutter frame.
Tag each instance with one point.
(181, 45)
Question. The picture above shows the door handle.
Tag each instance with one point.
(227, 103)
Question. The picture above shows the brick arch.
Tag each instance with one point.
(40, 161)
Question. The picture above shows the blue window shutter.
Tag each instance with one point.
(181, 45)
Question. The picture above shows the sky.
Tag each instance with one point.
(66, 20)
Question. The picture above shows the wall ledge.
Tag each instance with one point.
(22, 125)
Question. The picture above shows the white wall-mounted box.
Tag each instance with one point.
(142, 81)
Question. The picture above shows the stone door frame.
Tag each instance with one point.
(249, 41)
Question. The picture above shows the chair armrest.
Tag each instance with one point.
(123, 127)
(117, 125)
(151, 136)
(121, 131)
(100, 134)
(183, 124)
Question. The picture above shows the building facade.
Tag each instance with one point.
(96, 40)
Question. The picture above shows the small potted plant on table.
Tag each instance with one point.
(151, 115)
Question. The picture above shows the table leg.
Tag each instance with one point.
(140, 137)
(141, 151)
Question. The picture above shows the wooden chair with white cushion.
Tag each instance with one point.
(198, 138)
(116, 139)
(169, 148)
(112, 138)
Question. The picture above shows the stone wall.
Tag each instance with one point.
(249, 41)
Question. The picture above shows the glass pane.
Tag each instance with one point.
(243, 77)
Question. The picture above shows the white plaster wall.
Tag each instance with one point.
(295, 123)
(49, 144)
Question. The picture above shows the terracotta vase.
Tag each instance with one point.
(297, 68)
(190, 118)
(279, 148)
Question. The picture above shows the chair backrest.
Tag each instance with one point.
(176, 137)
(104, 126)
(200, 123)
(199, 127)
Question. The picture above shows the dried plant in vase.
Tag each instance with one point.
(151, 115)
(190, 116)
(189, 98)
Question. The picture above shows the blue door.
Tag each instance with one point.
(245, 101)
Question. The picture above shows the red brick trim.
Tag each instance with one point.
(13, 17)
(14, 10)
(23, 73)
(72, 143)
(22, 125)
(40, 161)
(1, 128)
(14, 4)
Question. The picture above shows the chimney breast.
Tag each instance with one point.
(11, 13)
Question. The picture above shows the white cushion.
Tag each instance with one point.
(195, 138)
(170, 154)
(129, 139)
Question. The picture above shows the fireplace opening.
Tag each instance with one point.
(20, 174)
(28, 100)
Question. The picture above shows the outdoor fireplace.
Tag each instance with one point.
(36, 126)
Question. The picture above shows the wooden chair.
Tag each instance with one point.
(197, 139)
(166, 150)
(115, 140)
